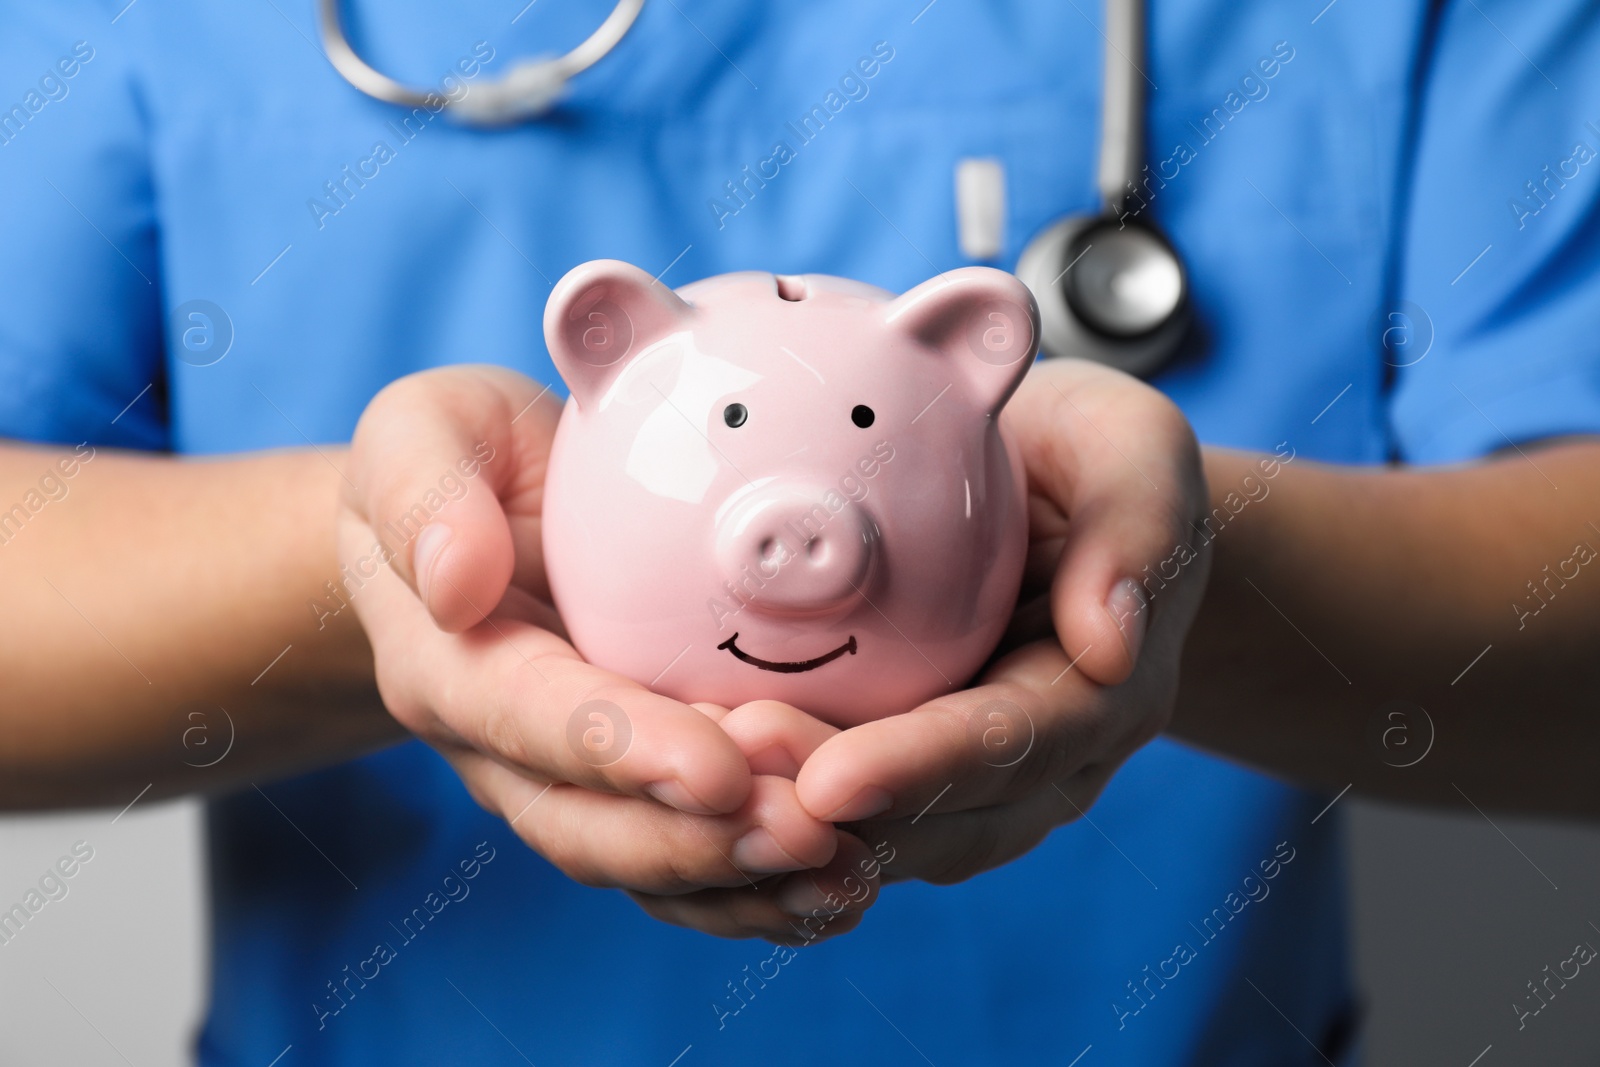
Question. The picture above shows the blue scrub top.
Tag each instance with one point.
(1389, 216)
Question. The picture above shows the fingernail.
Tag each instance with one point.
(1127, 608)
(864, 805)
(801, 896)
(425, 555)
(672, 793)
(758, 853)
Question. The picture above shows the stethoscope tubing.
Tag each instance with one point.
(548, 74)
(1080, 316)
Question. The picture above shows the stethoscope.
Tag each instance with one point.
(530, 90)
(1110, 286)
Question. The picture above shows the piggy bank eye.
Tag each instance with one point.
(735, 414)
(862, 416)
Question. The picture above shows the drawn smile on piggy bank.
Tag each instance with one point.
(787, 488)
(788, 667)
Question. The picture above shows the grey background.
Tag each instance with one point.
(1454, 914)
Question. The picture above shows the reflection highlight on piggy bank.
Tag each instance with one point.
(790, 487)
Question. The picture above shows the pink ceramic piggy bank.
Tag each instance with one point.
(794, 488)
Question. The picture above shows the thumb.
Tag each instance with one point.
(1120, 462)
(433, 458)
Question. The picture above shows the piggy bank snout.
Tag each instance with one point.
(783, 551)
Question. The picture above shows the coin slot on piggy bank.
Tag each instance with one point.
(794, 488)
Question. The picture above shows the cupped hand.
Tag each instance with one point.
(802, 908)
(615, 785)
(1089, 669)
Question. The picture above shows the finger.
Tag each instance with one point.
(1121, 462)
(434, 460)
(848, 883)
(802, 908)
(1032, 620)
(1034, 719)
(741, 914)
(714, 712)
(616, 842)
(522, 696)
(946, 849)
(776, 738)
(1044, 555)
(735, 914)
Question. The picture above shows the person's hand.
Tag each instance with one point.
(615, 785)
(807, 906)
(1087, 674)
(1089, 671)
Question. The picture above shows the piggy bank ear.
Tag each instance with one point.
(601, 315)
(985, 322)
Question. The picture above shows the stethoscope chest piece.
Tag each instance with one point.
(1110, 286)
(1111, 291)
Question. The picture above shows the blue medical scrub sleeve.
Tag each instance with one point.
(80, 281)
(1501, 267)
